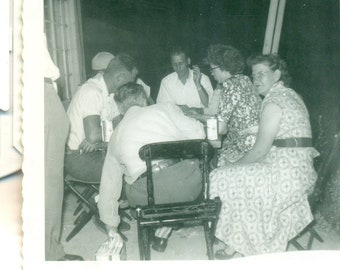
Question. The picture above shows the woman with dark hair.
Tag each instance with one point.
(239, 104)
(264, 194)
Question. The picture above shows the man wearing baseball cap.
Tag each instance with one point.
(100, 62)
(102, 59)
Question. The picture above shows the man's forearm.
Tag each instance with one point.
(203, 95)
(92, 129)
(110, 190)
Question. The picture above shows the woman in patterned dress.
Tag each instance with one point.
(239, 105)
(264, 194)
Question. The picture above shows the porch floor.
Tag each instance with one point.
(184, 244)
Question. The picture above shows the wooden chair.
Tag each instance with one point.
(325, 165)
(203, 211)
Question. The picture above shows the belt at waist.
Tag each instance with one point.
(161, 165)
(293, 142)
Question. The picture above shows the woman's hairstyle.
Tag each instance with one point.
(226, 58)
(274, 62)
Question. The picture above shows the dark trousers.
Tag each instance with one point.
(181, 182)
(56, 131)
(87, 166)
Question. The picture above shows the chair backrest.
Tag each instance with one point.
(188, 149)
(328, 161)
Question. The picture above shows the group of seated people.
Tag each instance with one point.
(264, 170)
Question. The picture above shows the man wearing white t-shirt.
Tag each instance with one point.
(186, 87)
(91, 106)
(141, 125)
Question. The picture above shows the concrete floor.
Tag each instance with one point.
(184, 244)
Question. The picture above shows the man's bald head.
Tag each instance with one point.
(118, 73)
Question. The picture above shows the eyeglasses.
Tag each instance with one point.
(259, 75)
(212, 69)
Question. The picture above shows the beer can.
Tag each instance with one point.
(107, 130)
(212, 129)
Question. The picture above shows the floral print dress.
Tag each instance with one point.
(239, 109)
(264, 204)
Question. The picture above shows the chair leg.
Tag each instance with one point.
(143, 243)
(79, 218)
(313, 234)
(209, 239)
(140, 242)
(81, 223)
(296, 244)
(123, 213)
(88, 192)
(146, 243)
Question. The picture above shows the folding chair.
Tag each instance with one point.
(85, 192)
(327, 161)
(203, 211)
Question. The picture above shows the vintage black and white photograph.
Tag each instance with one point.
(182, 130)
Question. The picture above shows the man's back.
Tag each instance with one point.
(156, 123)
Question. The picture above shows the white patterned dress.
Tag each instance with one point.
(264, 204)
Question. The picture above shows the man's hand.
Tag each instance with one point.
(86, 147)
(200, 89)
(111, 230)
(197, 76)
(185, 109)
(101, 146)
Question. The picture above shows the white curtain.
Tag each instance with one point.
(63, 30)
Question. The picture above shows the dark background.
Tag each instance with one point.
(146, 28)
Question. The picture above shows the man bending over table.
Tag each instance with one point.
(142, 124)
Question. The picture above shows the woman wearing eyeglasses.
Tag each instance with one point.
(239, 104)
(264, 194)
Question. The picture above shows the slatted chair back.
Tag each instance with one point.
(188, 149)
(202, 211)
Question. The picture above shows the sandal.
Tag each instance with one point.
(223, 255)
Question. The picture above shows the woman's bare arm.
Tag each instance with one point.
(268, 128)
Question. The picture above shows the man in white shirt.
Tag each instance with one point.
(91, 106)
(142, 125)
(186, 87)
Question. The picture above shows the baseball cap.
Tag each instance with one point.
(101, 60)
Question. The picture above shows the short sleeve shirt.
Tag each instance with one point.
(239, 104)
(92, 98)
